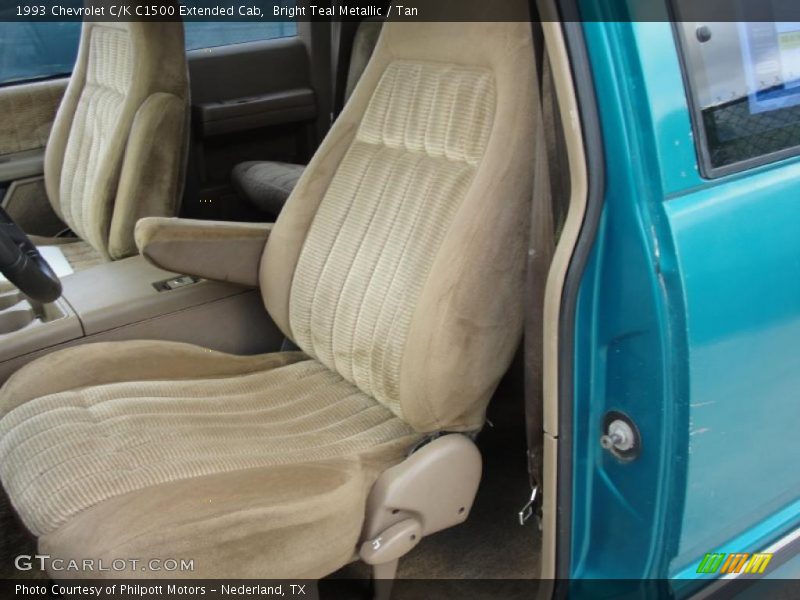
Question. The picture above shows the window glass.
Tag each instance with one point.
(206, 34)
(36, 50)
(744, 81)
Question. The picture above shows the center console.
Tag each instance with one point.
(132, 299)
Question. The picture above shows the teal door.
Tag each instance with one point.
(688, 316)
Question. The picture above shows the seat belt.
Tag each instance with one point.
(540, 252)
(337, 43)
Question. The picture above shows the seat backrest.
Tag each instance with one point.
(364, 42)
(398, 260)
(118, 145)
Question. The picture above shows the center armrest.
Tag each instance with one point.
(217, 250)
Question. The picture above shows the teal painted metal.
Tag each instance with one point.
(688, 321)
(739, 252)
(630, 345)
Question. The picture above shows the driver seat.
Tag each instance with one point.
(117, 150)
(397, 268)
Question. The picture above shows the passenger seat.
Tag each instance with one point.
(267, 184)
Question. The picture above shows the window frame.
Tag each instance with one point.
(35, 80)
(707, 169)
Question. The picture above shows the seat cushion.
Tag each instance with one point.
(266, 185)
(243, 464)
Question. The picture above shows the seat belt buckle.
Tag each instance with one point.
(530, 508)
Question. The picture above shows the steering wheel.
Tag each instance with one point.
(22, 264)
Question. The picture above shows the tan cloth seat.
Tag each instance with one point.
(397, 267)
(278, 439)
(267, 184)
(117, 149)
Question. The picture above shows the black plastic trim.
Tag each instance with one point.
(39, 79)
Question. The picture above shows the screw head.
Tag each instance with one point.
(703, 34)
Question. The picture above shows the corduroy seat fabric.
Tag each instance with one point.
(118, 146)
(397, 267)
(220, 418)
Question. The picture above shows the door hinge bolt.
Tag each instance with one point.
(619, 436)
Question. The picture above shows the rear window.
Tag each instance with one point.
(744, 88)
